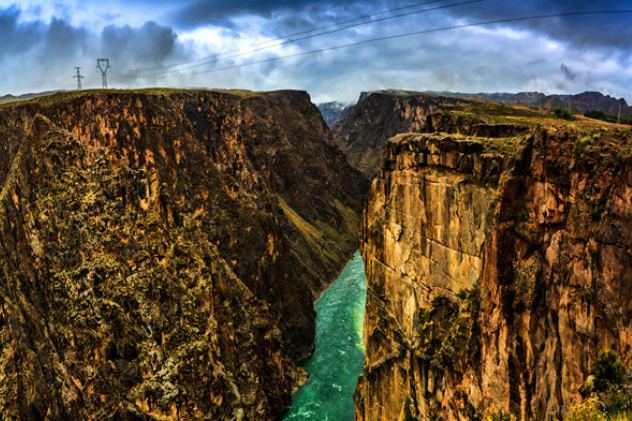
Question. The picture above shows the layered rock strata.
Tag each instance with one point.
(161, 252)
(493, 280)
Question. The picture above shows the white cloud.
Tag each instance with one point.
(475, 59)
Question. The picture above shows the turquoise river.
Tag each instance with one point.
(339, 356)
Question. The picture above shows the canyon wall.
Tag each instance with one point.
(161, 252)
(494, 279)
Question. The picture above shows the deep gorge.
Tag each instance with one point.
(162, 251)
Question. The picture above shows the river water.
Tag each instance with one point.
(339, 356)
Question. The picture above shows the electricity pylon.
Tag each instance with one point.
(78, 77)
(103, 64)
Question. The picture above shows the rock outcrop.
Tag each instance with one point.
(494, 279)
(161, 252)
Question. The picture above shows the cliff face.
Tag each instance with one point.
(161, 252)
(378, 116)
(494, 280)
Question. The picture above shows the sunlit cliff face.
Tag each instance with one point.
(496, 270)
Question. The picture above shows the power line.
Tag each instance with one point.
(290, 35)
(408, 34)
(290, 41)
(63, 80)
(61, 85)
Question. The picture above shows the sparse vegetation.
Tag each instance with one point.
(501, 416)
(449, 331)
(59, 97)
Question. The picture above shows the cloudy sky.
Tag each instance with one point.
(334, 49)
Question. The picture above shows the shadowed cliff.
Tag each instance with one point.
(161, 252)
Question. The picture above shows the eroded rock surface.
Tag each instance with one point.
(161, 252)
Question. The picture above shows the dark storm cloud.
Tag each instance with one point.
(219, 12)
(48, 42)
(16, 36)
(51, 49)
(150, 44)
(313, 17)
(593, 30)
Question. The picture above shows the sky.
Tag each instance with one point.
(334, 49)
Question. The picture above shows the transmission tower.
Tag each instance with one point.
(78, 77)
(103, 64)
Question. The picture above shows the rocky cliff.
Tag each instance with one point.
(363, 131)
(495, 274)
(161, 252)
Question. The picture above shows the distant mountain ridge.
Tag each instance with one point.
(9, 97)
(585, 101)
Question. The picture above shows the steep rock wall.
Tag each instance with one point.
(161, 252)
(487, 292)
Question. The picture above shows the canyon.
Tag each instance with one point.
(162, 251)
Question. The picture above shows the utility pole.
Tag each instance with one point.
(78, 77)
(103, 64)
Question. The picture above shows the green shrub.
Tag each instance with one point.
(611, 118)
(564, 114)
(607, 366)
(614, 406)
